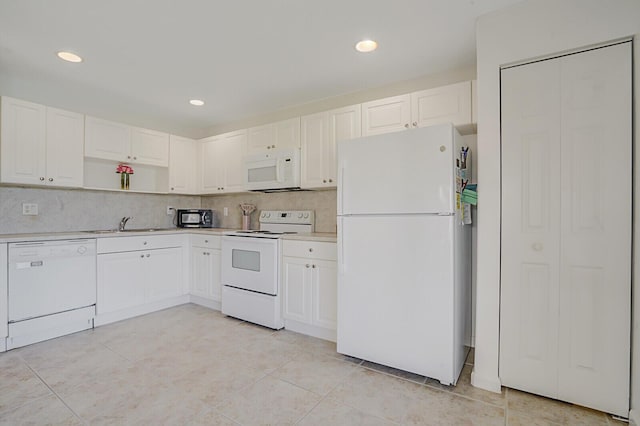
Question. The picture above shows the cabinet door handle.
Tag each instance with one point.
(415, 124)
(268, 147)
(148, 255)
(324, 181)
(41, 177)
(144, 243)
(50, 179)
(330, 180)
(129, 157)
(313, 266)
(172, 188)
(307, 265)
(273, 146)
(206, 241)
(142, 255)
(310, 250)
(406, 126)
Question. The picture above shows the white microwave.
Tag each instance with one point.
(272, 172)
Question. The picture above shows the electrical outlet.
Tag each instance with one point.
(226, 211)
(29, 209)
(170, 210)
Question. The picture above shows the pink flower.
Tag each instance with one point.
(124, 168)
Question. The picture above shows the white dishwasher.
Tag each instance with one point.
(52, 289)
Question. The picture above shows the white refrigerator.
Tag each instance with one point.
(404, 261)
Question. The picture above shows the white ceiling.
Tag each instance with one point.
(144, 59)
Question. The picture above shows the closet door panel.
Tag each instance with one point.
(595, 275)
(530, 227)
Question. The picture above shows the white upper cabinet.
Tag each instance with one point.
(320, 134)
(108, 140)
(211, 170)
(182, 165)
(23, 141)
(65, 148)
(40, 145)
(386, 115)
(446, 104)
(222, 163)
(149, 147)
(281, 135)
(235, 148)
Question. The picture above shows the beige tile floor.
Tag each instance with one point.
(192, 365)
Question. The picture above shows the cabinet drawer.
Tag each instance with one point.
(144, 242)
(309, 249)
(209, 241)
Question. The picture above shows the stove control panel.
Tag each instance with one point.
(287, 216)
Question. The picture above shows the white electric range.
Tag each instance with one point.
(251, 266)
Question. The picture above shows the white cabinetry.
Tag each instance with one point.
(281, 135)
(309, 288)
(386, 115)
(206, 270)
(320, 134)
(182, 165)
(222, 160)
(40, 145)
(137, 275)
(446, 104)
(119, 142)
(566, 228)
(4, 330)
(149, 147)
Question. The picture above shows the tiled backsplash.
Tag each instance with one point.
(322, 202)
(61, 210)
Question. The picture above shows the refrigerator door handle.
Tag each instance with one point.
(341, 190)
(341, 245)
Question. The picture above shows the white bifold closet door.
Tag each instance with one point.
(565, 308)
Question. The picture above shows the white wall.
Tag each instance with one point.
(398, 88)
(528, 30)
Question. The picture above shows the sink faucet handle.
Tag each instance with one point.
(123, 222)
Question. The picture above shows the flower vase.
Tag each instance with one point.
(124, 181)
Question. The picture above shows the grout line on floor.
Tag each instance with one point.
(54, 392)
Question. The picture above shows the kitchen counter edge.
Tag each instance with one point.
(52, 236)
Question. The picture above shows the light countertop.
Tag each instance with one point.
(72, 235)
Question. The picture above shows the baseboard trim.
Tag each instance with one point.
(109, 317)
(634, 417)
(310, 330)
(207, 303)
(491, 384)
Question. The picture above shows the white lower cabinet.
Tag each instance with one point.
(4, 329)
(309, 277)
(138, 281)
(206, 269)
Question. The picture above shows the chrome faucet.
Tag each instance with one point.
(123, 222)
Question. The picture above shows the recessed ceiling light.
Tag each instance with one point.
(366, 46)
(69, 57)
(196, 102)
